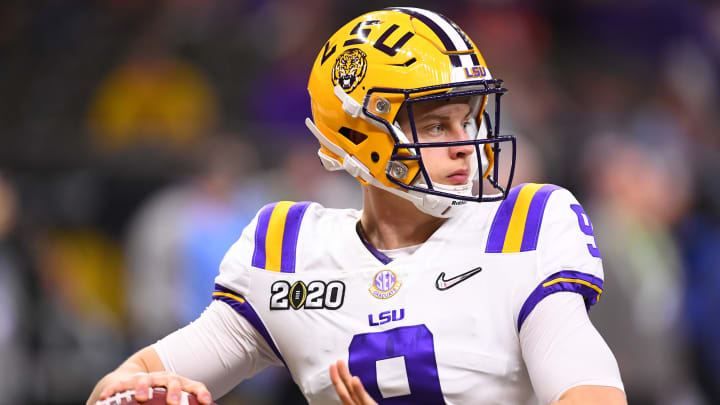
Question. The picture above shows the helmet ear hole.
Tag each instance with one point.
(352, 135)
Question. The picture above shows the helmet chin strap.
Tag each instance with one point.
(442, 207)
(445, 207)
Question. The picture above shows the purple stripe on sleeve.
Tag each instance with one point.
(258, 259)
(540, 292)
(535, 216)
(496, 237)
(290, 236)
(247, 312)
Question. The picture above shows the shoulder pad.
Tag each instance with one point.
(276, 235)
(516, 225)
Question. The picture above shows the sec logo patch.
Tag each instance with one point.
(385, 284)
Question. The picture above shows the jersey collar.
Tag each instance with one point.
(378, 254)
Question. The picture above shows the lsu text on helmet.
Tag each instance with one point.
(382, 63)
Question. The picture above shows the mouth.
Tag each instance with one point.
(458, 177)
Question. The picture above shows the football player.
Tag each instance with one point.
(449, 286)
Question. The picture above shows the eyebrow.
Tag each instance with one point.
(440, 117)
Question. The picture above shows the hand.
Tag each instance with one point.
(142, 383)
(349, 388)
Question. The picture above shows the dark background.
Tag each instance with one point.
(138, 138)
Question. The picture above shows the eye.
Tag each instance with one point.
(435, 129)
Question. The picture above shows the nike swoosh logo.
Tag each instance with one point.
(442, 284)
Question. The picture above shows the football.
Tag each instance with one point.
(157, 397)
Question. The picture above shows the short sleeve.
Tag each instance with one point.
(567, 256)
(267, 245)
(548, 225)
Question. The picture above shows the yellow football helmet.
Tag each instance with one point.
(381, 62)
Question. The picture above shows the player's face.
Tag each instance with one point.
(443, 121)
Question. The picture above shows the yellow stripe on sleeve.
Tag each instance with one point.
(516, 227)
(274, 237)
(574, 280)
(223, 294)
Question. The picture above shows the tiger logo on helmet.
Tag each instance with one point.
(349, 69)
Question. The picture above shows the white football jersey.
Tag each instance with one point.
(440, 325)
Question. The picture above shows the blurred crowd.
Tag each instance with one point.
(139, 138)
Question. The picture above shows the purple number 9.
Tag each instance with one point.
(586, 228)
(386, 353)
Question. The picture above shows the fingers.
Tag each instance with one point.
(139, 382)
(340, 387)
(359, 390)
(142, 386)
(143, 382)
(346, 379)
(174, 386)
(349, 388)
(198, 389)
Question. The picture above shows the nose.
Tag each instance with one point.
(459, 151)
